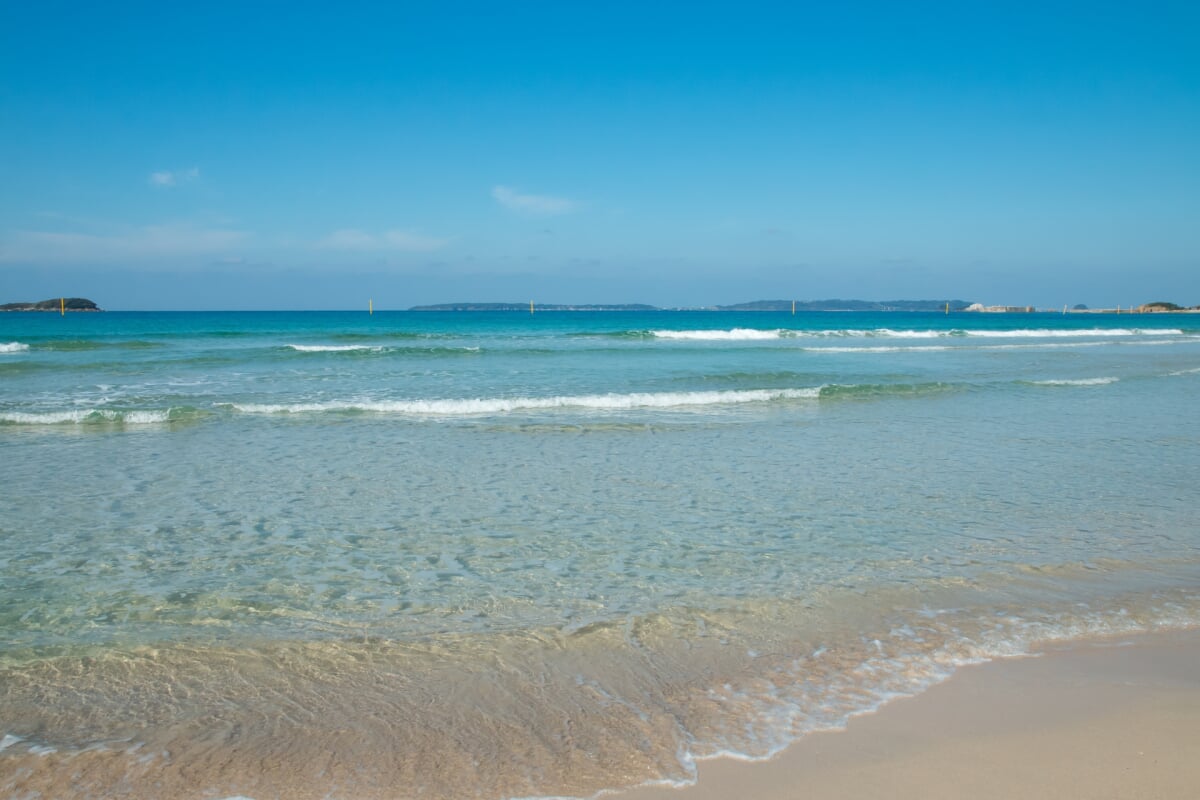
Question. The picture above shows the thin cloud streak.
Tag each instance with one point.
(151, 241)
(360, 240)
(536, 204)
(168, 178)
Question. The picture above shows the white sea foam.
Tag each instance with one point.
(1078, 382)
(887, 332)
(1019, 333)
(1059, 345)
(781, 714)
(881, 349)
(899, 670)
(8, 741)
(45, 417)
(878, 333)
(1047, 333)
(335, 348)
(13, 347)
(145, 417)
(1055, 345)
(735, 334)
(500, 405)
(84, 416)
(753, 334)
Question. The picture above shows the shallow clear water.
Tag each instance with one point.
(471, 554)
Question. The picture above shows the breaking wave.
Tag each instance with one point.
(599, 402)
(1046, 333)
(867, 391)
(375, 349)
(754, 334)
(104, 416)
(736, 334)
(500, 405)
(1077, 382)
(335, 348)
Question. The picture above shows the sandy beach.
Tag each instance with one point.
(1114, 718)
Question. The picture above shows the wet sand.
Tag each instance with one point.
(1115, 718)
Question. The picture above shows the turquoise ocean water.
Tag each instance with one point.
(326, 554)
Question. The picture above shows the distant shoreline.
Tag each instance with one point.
(76, 304)
(756, 305)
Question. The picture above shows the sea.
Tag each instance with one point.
(510, 555)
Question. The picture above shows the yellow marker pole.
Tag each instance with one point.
(531, 307)
(947, 308)
(62, 306)
(371, 307)
(793, 308)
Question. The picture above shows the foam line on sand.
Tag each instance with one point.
(1112, 718)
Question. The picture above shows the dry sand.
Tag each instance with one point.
(1116, 718)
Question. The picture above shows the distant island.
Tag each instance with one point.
(1160, 306)
(57, 304)
(757, 305)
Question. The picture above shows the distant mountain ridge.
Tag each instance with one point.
(57, 304)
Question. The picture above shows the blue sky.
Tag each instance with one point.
(305, 155)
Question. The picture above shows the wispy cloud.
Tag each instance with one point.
(536, 204)
(356, 239)
(128, 244)
(168, 178)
